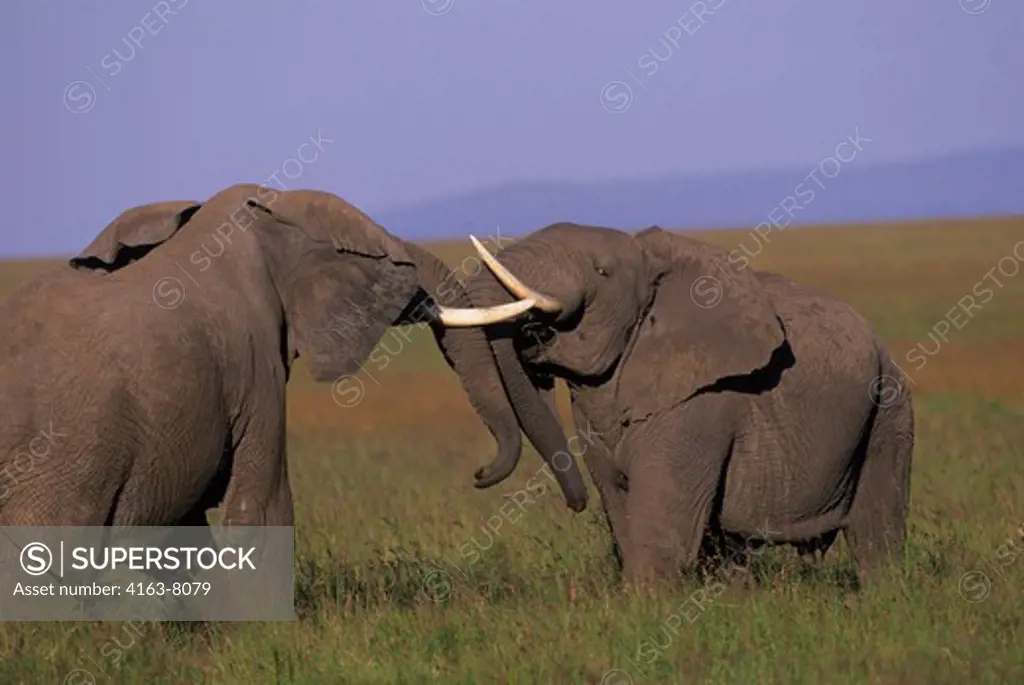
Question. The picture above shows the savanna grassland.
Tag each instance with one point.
(399, 581)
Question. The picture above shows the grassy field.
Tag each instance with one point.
(390, 591)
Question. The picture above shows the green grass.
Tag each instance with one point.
(398, 579)
(404, 585)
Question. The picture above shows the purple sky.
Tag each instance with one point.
(421, 104)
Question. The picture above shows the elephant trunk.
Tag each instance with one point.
(535, 416)
(467, 352)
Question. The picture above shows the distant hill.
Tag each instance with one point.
(961, 185)
(977, 184)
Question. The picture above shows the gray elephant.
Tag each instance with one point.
(146, 383)
(731, 405)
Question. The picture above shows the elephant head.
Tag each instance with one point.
(339, 277)
(604, 295)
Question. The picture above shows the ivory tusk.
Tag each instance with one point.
(517, 287)
(464, 318)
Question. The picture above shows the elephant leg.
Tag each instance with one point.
(876, 524)
(611, 485)
(676, 462)
(177, 606)
(258, 492)
(226, 593)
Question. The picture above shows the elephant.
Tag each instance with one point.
(33, 319)
(152, 368)
(730, 404)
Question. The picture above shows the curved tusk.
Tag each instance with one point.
(517, 287)
(464, 318)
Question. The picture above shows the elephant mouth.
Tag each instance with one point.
(539, 333)
(536, 335)
(531, 337)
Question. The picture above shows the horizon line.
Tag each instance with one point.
(908, 223)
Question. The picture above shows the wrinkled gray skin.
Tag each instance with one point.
(756, 419)
(152, 415)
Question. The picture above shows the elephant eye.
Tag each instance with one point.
(601, 270)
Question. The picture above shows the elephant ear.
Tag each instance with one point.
(133, 234)
(343, 282)
(709, 321)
